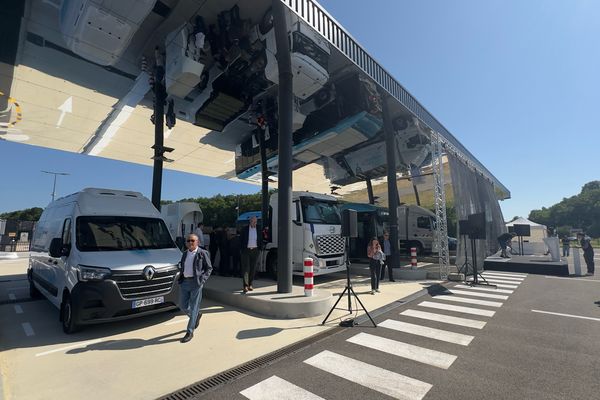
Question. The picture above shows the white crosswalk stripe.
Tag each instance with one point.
(504, 286)
(387, 382)
(479, 294)
(460, 309)
(494, 280)
(508, 278)
(411, 352)
(275, 388)
(447, 319)
(484, 289)
(425, 331)
(505, 274)
(468, 300)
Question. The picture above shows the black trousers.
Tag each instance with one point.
(389, 268)
(589, 261)
(375, 268)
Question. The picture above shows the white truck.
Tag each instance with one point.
(182, 218)
(416, 228)
(316, 234)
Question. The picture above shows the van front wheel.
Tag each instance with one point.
(67, 316)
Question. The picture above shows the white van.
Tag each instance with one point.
(103, 255)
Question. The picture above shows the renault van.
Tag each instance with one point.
(103, 255)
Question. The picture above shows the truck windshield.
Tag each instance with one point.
(320, 212)
(303, 45)
(110, 233)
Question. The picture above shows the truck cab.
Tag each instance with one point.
(316, 234)
(416, 228)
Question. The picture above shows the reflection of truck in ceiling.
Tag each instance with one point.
(238, 63)
(416, 227)
(316, 234)
(344, 113)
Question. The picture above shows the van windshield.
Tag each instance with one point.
(110, 233)
(320, 211)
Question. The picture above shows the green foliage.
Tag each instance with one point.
(29, 214)
(580, 211)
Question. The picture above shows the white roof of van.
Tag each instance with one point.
(97, 201)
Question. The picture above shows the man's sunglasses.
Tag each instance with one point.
(191, 241)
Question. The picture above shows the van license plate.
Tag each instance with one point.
(147, 302)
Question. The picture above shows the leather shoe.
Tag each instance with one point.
(198, 320)
(188, 336)
(250, 288)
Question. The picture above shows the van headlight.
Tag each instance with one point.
(92, 273)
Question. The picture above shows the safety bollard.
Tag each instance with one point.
(308, 277)
(413, 258)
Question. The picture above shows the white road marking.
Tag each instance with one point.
(447, 319)
(573, 279)
(494, 280)
(505, 274)
(18, 309)
(566, 315)
(425, 331)
(73, 346)
(275, 388)
(379, 379)
(28, 329)
(479, 294)
(504, 286)
(177, 321)
(411, 352)
(468, 300)
(505, 277)
(460, 309)
(12, 296)
(484, 289)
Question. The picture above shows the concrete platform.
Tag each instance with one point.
(265, 300)
(532, 264)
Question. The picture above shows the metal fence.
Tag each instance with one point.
(15, 246)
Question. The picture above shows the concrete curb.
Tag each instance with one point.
(8, 255)
(411, 274)
(265, 300)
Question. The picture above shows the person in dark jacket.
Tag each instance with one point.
(386, 247)
(223, 251)
(588, 252)
(234, 250)
(195, 268)
(213, 246)
(504, 240)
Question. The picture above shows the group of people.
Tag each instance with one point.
(196, 266)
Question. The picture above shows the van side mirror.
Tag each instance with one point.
(58, 249)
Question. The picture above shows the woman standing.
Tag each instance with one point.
(376, 257)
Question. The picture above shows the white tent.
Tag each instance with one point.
(533, 244)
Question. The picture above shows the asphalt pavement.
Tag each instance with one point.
(531, 337)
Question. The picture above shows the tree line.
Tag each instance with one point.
(581, 211)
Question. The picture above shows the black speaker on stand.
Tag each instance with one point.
(477, 231)
(349, 229)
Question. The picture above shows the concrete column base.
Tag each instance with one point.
(411, 274)
(454, 277)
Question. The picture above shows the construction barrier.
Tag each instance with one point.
(308, 277)
(413, 258)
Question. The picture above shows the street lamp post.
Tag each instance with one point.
(54, 185)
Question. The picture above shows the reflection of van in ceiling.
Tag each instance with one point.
(100, 31)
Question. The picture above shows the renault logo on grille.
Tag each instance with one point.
(149, 272)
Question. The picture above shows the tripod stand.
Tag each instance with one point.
(464, 268)
(350, 292)
(476, 273)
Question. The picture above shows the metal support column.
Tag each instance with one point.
(264, 199)
(159, 118)
(440, 204)
(370, 190)
(393, 197)
(417, 198)
(285, 102)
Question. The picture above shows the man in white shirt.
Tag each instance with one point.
(195, 268)
(250, 243)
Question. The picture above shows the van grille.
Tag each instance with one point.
(132, 284)
(330, 244)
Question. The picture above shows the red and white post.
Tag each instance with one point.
(413, 258)
(308, 277)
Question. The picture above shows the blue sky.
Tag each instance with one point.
(517, 82)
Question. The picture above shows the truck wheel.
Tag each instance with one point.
(272, 265)
(67, 316)
(33, 292)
